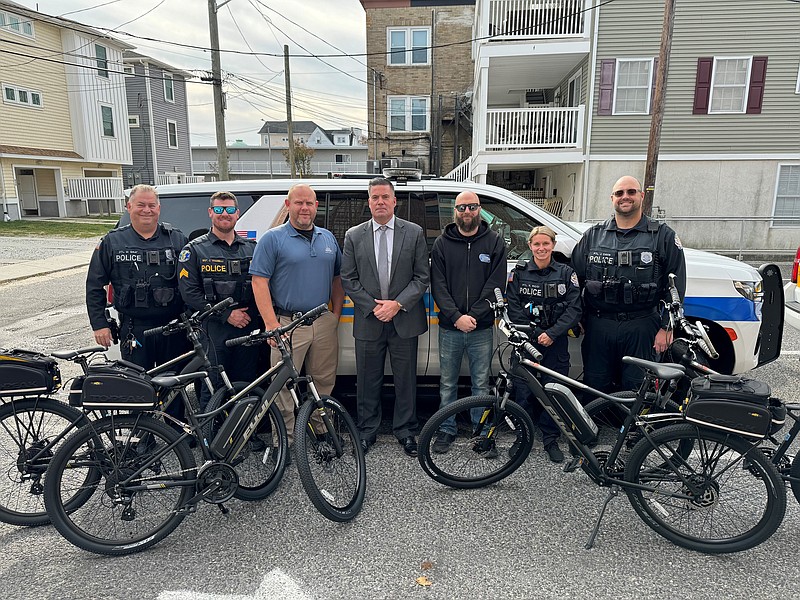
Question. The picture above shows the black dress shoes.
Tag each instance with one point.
(365, 445)
(409, 445)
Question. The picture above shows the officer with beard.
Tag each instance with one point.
(468, 261)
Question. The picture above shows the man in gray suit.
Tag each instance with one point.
(385, 272)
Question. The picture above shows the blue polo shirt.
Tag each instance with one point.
(299, 272)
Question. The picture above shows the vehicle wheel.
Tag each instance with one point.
(120, 518)
(740, 498)
(476, 459)
(31, 431)
(261, 462)
(334, 481)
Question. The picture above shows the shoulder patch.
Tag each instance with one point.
(183, 273)
(574, 279)
(678, 242)
(184, 255)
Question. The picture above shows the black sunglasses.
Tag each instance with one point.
(629, 191)
(470, 207)
(218, 210)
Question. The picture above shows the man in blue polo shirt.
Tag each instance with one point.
(296, 268)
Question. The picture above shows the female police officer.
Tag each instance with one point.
(545, 294)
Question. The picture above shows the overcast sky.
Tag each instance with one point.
(333, 95)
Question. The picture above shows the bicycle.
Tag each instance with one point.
(722, 496)
(141, 478)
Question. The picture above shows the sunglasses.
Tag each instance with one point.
(218, 210)
(470, 207)
(629, 191)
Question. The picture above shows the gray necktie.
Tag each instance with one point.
(383, 263)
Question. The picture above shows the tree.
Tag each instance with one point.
(302, 158)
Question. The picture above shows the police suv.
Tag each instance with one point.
(725, 295)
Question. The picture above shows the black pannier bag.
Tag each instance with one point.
(24, 373)
(101, 368)
(114, 386)
(733, 403)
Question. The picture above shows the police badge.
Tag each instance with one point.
(562, 289)
(647, 258)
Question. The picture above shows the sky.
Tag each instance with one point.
(330, 91)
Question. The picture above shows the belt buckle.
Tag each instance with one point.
(622, 316)
(297, 315)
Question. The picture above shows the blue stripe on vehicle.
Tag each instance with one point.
(720, 309)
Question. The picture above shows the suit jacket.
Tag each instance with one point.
(409, 279)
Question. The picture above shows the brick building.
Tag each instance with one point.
(420, 82)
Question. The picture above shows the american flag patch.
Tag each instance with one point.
(249, 234)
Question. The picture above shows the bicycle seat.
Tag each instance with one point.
(172, 381)
(72, 354)
(662, 370)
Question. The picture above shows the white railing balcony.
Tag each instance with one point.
(94, 188)
(514, 19)
(462, 172)
(531, 128)
(259, 167)
(175, 178)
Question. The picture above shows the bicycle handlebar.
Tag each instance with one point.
(515, 336)
(181, 324)
(258, 336)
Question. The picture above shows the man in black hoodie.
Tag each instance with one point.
(468, 262)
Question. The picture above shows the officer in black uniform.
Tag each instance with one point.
(216, 266)
(546, 295)
(140, 261)
(623, 266)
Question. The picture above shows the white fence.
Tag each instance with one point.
(462, 172)
(172, 178)
(94, 188)
(534, 128)
(262, 167)
(534, 18)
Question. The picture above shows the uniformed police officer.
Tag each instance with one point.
(216, 266)
(140, 261)
(546, 295)
(623, 266)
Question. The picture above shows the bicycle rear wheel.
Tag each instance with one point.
(477, 458)
(739, 500)
(261, 463)
(335, 483)
(31, 431)
(120, 518)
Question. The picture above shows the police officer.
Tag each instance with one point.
(623, 266)
(140, 261)
(546, 295)
(216, 266)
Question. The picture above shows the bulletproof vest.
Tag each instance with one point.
(623, 274)
(144, 273)
(543, 295)
(225, 276)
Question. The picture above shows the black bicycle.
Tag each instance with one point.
(139, 474)
(721, 495)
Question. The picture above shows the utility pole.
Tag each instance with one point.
(219, 98)
(289, 110)
(658, 107)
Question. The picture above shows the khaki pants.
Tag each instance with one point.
(316, 347)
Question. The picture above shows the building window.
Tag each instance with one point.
(128, 70)
(133, 120)
(787, 196)
(408, 45)
(408, 113)
(797, 87)
(341, 140)
(169, 88)
(172, 134)
(108, 121)
(343, 159)
(632, 87)
(15, 24)
(101, 57)
(729, 85)
(17, 95)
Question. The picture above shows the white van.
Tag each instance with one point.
(721, 292)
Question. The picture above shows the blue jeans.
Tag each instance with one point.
(478, 347)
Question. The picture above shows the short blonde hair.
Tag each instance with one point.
(543, 230)
(143, 187)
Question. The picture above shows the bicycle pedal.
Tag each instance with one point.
(224, 509)
(573, 465)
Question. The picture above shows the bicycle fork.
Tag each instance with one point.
(323, 414)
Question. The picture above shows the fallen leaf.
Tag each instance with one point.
(424, 581)
(427, 565)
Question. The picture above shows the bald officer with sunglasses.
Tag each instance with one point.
(211, 268)
(623, 266)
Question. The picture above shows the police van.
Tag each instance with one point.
(724, 294)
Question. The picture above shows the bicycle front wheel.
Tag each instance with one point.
(261, 463)
(334, 481)
(120, 517)
(31, 431)
(730, 497)
(479, 455)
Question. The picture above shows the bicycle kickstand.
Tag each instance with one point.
(612, 493)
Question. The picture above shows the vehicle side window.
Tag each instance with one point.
(344, 210)
(512, 225)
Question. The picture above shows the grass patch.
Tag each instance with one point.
(53, 229)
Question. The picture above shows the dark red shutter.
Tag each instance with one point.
(653, 91)
(702, 86)
(755, 95)
(606, 101)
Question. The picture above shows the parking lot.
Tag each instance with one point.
(522, 538)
